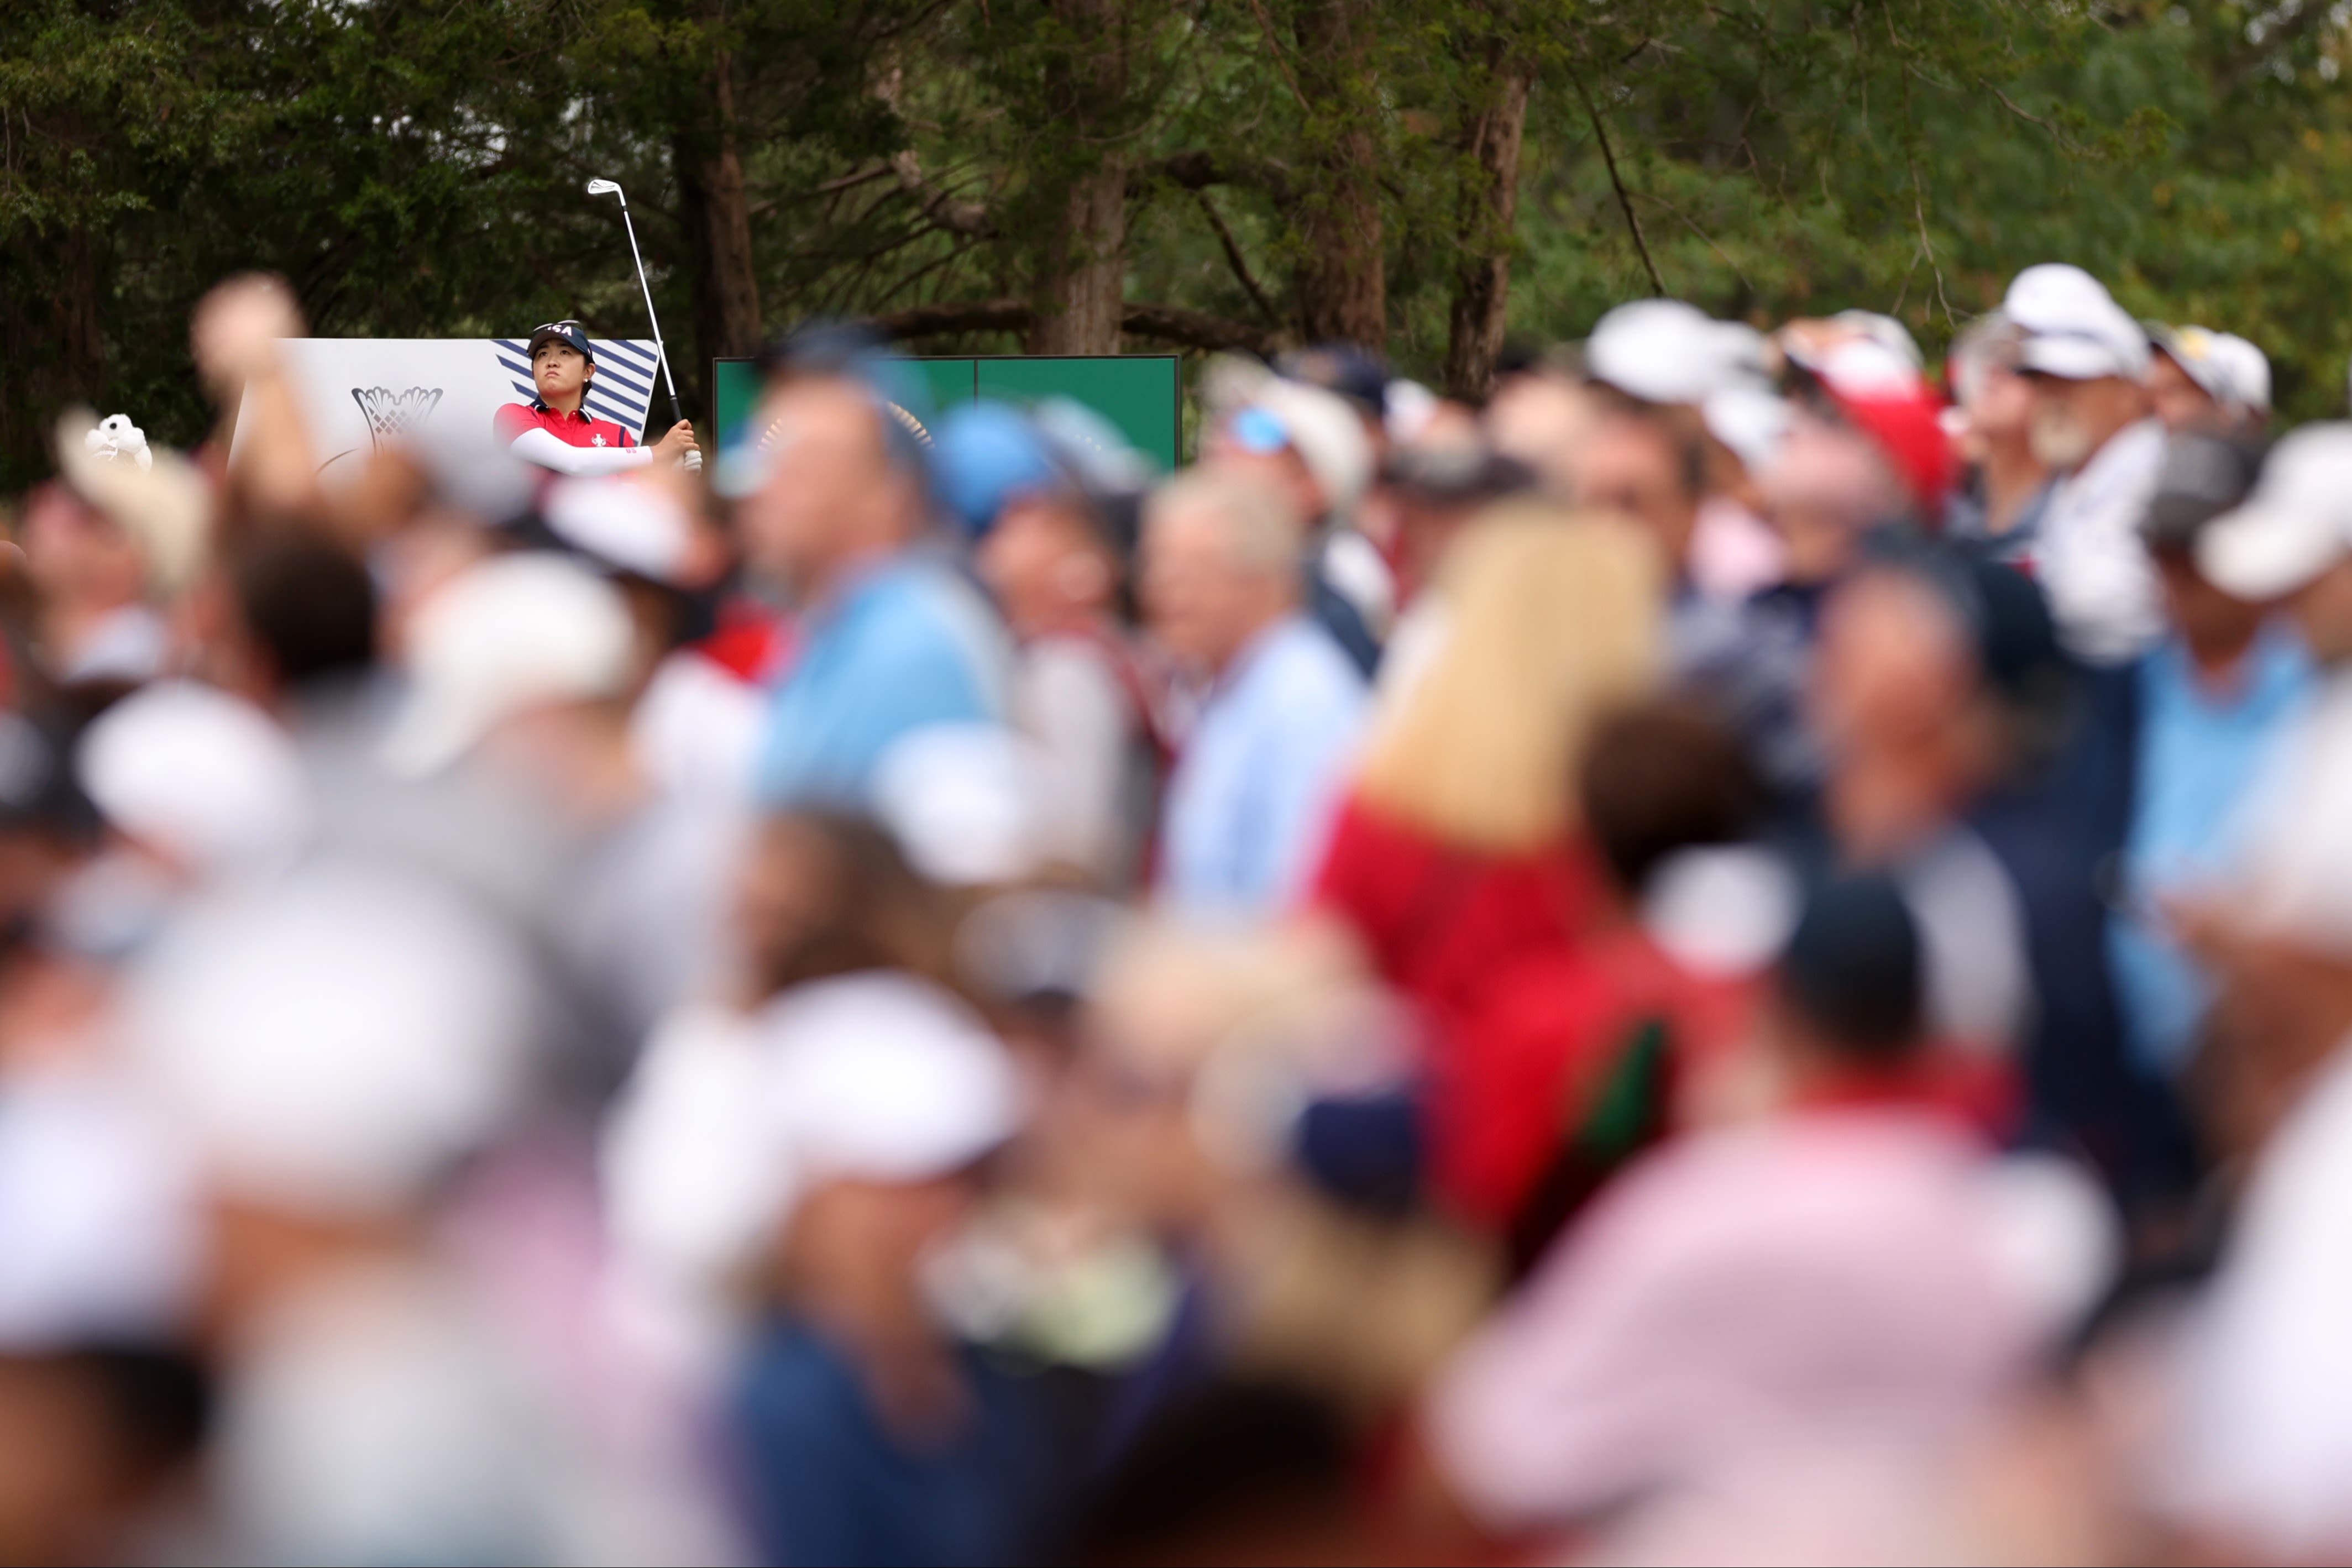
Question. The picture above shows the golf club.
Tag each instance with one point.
(613, 188)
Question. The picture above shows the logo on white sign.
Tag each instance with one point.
(391, 414)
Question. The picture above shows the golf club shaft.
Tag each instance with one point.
(677, 410)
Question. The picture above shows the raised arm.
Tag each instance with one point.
(541, 446)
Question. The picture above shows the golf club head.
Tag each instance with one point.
(603, 187)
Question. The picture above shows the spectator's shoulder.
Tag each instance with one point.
(1307, 666)
(917, 612)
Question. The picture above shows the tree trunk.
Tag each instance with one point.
(1487, 213)
(81, 358)
(1081, 278)
(718, 223)
(1342, 279)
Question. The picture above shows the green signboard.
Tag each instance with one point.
(1141, 394)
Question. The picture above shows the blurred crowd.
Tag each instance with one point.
(1737, 954)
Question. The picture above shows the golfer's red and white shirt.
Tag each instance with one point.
(572, 428)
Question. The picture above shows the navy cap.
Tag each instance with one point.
(1355, 373)
(1855, 969)
(2004, 613)
(569, 333)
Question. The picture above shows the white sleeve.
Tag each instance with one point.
(541, 447)
(1080, 716)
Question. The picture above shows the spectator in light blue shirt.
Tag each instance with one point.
(2205, 707)
(894, 639)
(1256, 780)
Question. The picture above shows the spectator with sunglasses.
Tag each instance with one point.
(555, 429)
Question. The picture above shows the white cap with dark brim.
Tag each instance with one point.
(514, 632)
(2074, 327)
(2295, 524)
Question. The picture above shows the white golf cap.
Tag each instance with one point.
(511, 634)
(962, 801)
(623, 522)
(333, 1041)
(1887, 332)
(99, 1204)
(207, 778)
(730, 1121)
(2250, 373)
(1326, 433)
(1667, 351)
(2295, 523)
(883, 1077)
(2231, 370)
(2074, 327)
(1752, 420)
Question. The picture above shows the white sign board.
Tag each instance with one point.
(357, 394)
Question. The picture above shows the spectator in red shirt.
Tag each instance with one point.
(556, 430)
(1573, 1057)
(1457, 850)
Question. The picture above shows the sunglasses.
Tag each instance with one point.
(1259, 431)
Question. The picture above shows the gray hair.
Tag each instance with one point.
(1989, 341)
(1261, 535)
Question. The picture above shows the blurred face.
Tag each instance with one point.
(1201, 602)
(1825, 486)
(1283, 471)
(1629, 465)
(1544, 421)
(561, 375)
(75, 555)
(2216, 627)
(2323, 613)
(2001, 412)
(1891, 665)
(832, 494)
(1132, 1130)
(854, 1250)
(787, 894)
(2073, 419)
(2179, 401)
(1042, 564)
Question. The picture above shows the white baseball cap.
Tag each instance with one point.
(962, 801)
(1753, 420)
(2250, 373)
(333, 1041)
(1668, 352)
(2074, 327)
(1887, 332)
(100, 1206)
(204, 777)
(731, 1120)
(884, 1077)
(626, 523)
(2295, 523)
(513, 632)
(1323, 431)
(2231, 370)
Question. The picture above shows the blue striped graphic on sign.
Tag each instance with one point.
(621, 391)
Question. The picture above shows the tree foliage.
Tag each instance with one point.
(1077, 175)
